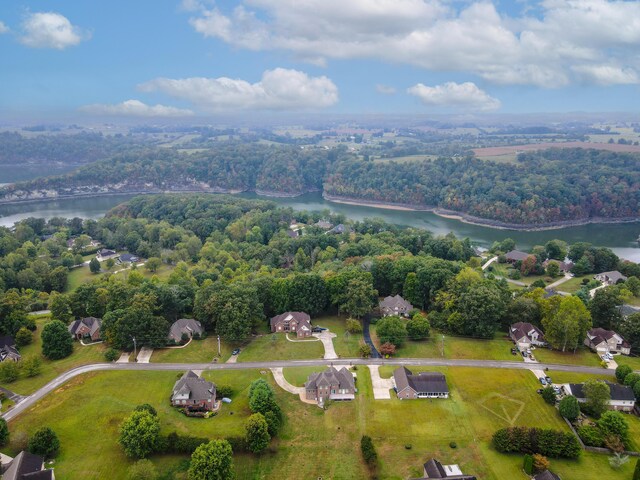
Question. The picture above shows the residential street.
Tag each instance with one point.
(432, 362)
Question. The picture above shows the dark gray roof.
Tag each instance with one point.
(424, 382)
(516, 255)
(434, 469)
(618, 392)
(185, 325)
(26, 466)
(395, 303)
(8, 349)
(129, 257)
(331, 376)
(106, 251)
(613, 276)
(196, 387)
(626, 310)
(7, 341)
(546, 475)
(300, 317)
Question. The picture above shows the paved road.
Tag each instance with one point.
(367, 337)
(432, 362)
(489, 262)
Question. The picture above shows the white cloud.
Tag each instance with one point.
(50, 30)
(455, 95)
(3, 28)
(555, 48)
(385, 89)
(135, 108)
(279, 89)
(607, 74)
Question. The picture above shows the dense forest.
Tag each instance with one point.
(540, 188)
(225, 251)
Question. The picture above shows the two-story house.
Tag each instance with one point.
(606, 341)
(294, 322)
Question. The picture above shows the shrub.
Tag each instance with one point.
(569, 408)
(145, 407)
(408, 446)
(453, 445)
(551, 443)
(617, 461)
(391, 330)
(176, 443)
(4, 432)
(631, 379)
(418, 328)
(622, 371)
(257, 432)
(549, 395)
(591, 436)
(368, 450)
(142, 470)
(614, 443)
(24, 337)
(238, 444)
(528, 464)
(353, 326)
(224, 391)
(540, 463)
(44, 442)
(111, 355)
(365, 351)
(56, 341)
(139, 434)
(32, 366)
(387, 348)
(614, 423)
(9, 371)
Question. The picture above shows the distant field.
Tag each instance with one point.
(407, 158)
(515, 149)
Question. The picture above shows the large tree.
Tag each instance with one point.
(478, 307)
(257, 433)
(391, 330)
(56, 340)
(566, 328)
(604, 307)
(630, 331)
(212, 461)
(4, 432)
(139, 434)
(597, 396)
(359, 297)
(44, 442)
(569, 407)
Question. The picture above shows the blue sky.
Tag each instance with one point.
(173, 58)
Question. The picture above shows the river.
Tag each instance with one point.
(621, 238)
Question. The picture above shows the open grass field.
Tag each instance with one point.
(407, 159)
(583, 356)
(498, 348)
(573, 285)
(82, 355)
(198, 351)
(81, 275)
(275, 346)
(298, 376)
(313, 443)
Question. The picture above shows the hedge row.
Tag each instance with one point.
(550, 443)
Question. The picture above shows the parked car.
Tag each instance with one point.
(524, 354)
(556, 390)
(604, 357)
(543, 381)
(609, 356)
(318, 329)
(226, 400)
(548, 379)
(236, 351)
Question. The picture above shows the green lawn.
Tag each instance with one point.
(346, 344)
(274, 346)
(298, 376)
(82, 355)
(80, 275)
(633, 362)
(573, 285)
(198, 351)
(499, 348)
(314, 443)
(583, 356)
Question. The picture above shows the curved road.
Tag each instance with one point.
(430, 362)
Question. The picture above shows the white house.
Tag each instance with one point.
(622, 397)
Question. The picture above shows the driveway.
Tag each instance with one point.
(124, 358)
(326, 338)
(489, 262)
(367, 337)
(566, 278)
(381, 386)
(144, 355)
(14, 397)
(278, 376)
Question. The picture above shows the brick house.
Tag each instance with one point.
(332, 384)
(194, 392)
(88, 327)
(298, 322)
(185, 326)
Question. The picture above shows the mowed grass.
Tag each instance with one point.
(82, 355)
(275, 346)
(198, 351)
(86, 414)
(498, 348)
(80, 275)
(633, 362)
(297, 376)
(573, 285)
(313, 443)
(582, 356)
(346, 344)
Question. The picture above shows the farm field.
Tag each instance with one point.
(481, 402)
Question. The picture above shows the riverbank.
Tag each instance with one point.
(473, 220)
